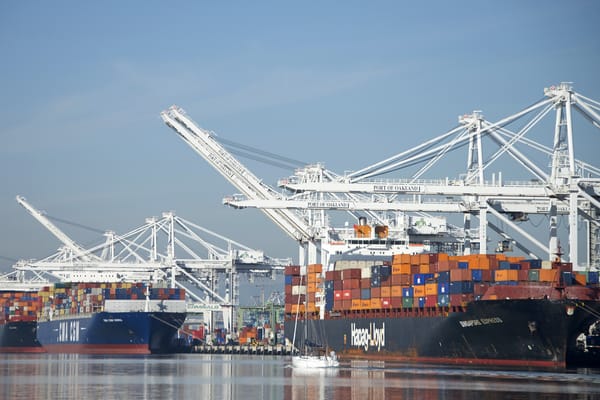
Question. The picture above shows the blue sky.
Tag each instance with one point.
(344, 83)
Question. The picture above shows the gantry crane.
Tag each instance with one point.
(571, 187)
(168, 251)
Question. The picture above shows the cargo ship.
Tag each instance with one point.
(448, 309)
(109, 318)
(18, 322)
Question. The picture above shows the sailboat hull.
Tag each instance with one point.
(309, 362)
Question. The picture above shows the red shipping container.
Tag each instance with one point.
(338, 285)
(337, 295)
(351, 284)
(431, 300)
(479, 289)
(347, 294)
(375, 292)
(352, 273)
(523, 274)
(386, 302)
(365, 283)
(292, 270)
(396, 302)
(330, 275)
(355, 293)
(297, 280)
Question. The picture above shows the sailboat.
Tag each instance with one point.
(307, 358)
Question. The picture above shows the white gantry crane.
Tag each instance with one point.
(297, 226)
(168, 251)
(569, 187)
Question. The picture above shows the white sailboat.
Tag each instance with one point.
(306, 359)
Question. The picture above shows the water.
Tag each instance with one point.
(199, 376)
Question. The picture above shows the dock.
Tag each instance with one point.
(260, 349)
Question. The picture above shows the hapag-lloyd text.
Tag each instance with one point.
(367, 337)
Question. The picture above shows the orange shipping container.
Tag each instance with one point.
(401, 259)
(386, 291)
(396, 291)
(443, 265)
(549, 275)
(398, 269)
(418, 290)
(431, 289)
(315, 268)
(580, 278)
(375, 303)
(457, 275)
(506, 275)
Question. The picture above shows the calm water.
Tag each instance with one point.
(195, 376)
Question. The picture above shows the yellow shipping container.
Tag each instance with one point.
(356, 304)
(375, 303)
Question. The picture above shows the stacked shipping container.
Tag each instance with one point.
(419, 281)
(18, 306)
(77, 298)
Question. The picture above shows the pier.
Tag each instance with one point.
(260, 349)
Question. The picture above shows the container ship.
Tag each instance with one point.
(109, 318)
(18, 322)
(438, 308)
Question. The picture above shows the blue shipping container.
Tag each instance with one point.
(443, 288)
(504, 265)
(444, 276)
(443, 300)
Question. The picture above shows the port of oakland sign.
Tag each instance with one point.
(407, 188)
(367, 337)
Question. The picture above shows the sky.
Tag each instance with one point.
(342, 83)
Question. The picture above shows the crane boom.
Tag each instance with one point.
(236, 173)
(60, 235)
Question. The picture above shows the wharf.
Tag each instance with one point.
(271, 350)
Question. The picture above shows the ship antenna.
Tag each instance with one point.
(558, 253)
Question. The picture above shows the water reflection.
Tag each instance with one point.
(45, 376)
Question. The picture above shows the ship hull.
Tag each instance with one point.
(19, 337)
(515, 332)
(111, 333)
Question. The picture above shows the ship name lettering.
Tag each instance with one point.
(68, 331)
(367, 337)
(481, 321)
